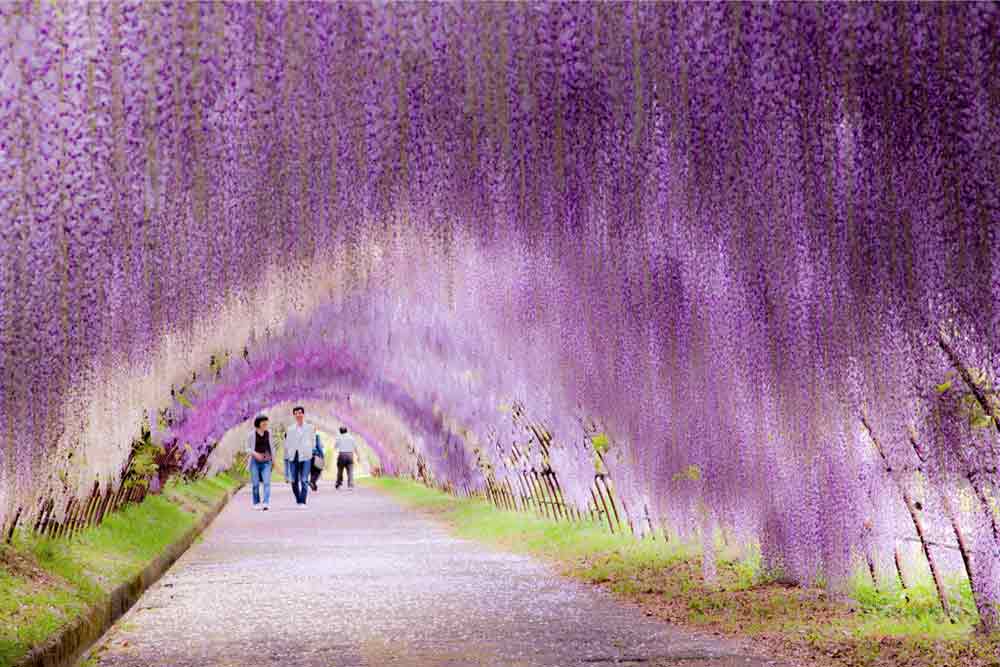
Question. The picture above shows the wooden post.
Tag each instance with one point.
(956, 527)
(80, 516)
(43, 517)
(13, 525)
(556, 503)
(871, 568)
(599, 482)
(899, 570)
(94, 507)
(556, 496)
(492, 493)
(917, 522)
(511, 499)
(988, 409)
(530, 490)
(550, 499)
(866, 528)
(596, 512)
(539, 494)
(102, 507)
(120, 497)
(976, 482)
(652, 529)
(59, 529)
(571, 512)
(71, 512)
(628, 516)
(510, 494)
(503, 497)
(55, 527)
(526, 494)
(976, 390)
(614, 505)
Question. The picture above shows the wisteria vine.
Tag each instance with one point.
(757, 244)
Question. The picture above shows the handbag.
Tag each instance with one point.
(318, 462)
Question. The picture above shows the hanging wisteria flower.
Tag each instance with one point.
(754, 247)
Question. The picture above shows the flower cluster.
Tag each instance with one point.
(756, 241)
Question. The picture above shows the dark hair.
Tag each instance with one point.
(298, 408)
(343, 429)
(259, 419)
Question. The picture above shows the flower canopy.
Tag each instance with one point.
(757, 241)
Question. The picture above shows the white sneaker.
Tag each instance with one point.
(266, 507)
(256, 506)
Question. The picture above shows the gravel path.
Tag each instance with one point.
(358, 580)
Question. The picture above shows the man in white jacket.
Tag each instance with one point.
(299, 441)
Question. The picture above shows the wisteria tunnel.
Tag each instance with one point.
(733, 267)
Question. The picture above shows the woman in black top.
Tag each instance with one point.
(259, 448)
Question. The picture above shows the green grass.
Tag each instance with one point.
(206, 491)
(46, 583)
(587, 549)
(867, 627)
(29, 613)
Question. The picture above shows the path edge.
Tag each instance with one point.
(73, 641)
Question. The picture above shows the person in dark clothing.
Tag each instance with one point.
(318, 463)
(261, 457)
(347, 450)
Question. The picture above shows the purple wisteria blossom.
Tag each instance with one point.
(754, 246)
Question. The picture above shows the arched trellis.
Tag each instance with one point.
(733, 230)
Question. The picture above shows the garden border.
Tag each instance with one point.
(72, 642)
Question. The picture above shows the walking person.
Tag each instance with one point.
(299, 442)
(288, 465)
(347, 450)
(318, 463)
(259, 449)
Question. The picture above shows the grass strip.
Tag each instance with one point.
(863, 628)
(45, 584)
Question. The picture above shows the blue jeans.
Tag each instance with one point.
(260, 471)
(300, 479)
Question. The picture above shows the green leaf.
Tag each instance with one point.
(943, 387)
(981, 421)
(691, 473)
(184, 401)
(600, 442)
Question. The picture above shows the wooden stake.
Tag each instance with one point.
(917, 523)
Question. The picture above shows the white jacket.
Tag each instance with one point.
(300, 439)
